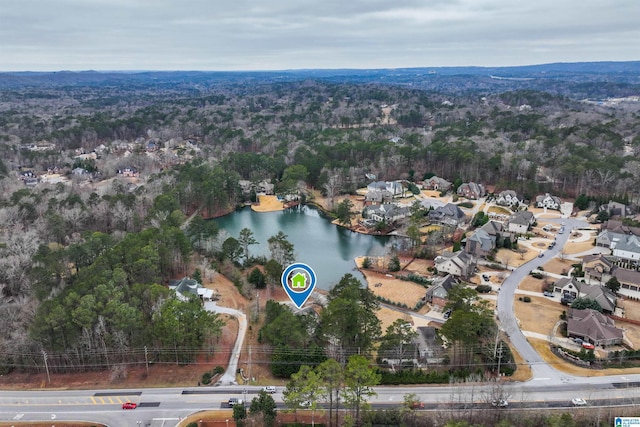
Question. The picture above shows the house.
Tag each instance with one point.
(594, 327)
(188, 286)
(377, 197)
(509, 198)
(629, 282)
(520, 222)
(80, 171)
(608, 238)
(265, 187)
(471, 190)
(438, 292)
(570, 289)
(387, 212)
(128, 172)
(245, 186)
(448, 214)
(627, 249)
(615, 209)
(548, 202)
(436, 183)
(393, 187)
(624, 247)
(483, 241)
(601, 268)
(459, 264)
(616, 226)
(597, 267)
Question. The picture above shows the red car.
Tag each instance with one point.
(129, 405)
(588, 346)
(416, 404)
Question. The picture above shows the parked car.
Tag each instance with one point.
(548, 294)
(233, 401)
(500, 403)
(541, 254)
(588, 346)
(269, 389)
(446, 314)
(416, 404)
(577, 401)
(485, 277)
(305, 404)
(129, 405)
(551, 245)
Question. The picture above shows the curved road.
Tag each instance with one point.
(507, 319)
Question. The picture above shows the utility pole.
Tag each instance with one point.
(250, 378)
(499, 357)
(146, 359)
(46, 365)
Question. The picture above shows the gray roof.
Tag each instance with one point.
(593, 325)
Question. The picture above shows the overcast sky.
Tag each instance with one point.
(293, 34)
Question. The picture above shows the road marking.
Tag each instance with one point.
(93, 399)
(18, 417)
(542, 379)
(53, 416)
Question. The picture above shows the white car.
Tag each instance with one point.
(577, 401)
(269, 389)
(500, 403)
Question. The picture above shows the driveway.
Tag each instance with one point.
(229, 377)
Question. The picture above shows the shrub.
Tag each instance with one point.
(526, 299)
(218, 370)
(484, 289)
(206, 378)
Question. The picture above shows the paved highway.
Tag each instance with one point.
(165, 407)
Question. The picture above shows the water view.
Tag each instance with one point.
(328, 249)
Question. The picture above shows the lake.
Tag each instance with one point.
(328, 249)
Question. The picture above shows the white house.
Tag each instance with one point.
(459, 264)
(393, 187)
(520, 222)
(627, 249)
(508, 198)
(548, 201)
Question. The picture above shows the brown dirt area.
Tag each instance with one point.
(392, 289)
(539, 315)
(268, 204)
(573, 247)
(539, 213)
(558, 266)
(515, 258)
(534, 285)
(219, 418)
(387, 316)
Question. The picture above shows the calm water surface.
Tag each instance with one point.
(328, 249)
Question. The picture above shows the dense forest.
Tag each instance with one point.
(83, 267)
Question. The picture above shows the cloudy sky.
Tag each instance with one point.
(294, 34)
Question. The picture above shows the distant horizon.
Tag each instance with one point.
(186, 70)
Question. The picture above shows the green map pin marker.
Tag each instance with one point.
(298, 281)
